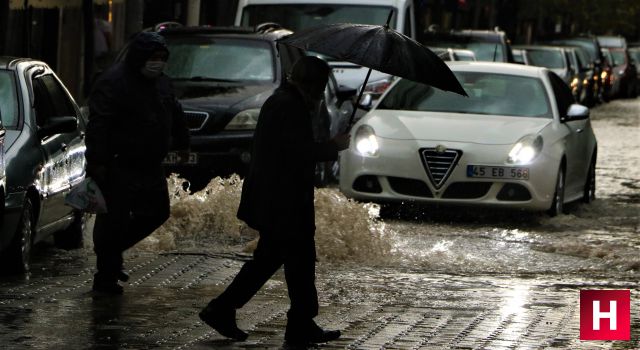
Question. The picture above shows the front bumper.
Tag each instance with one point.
(401, 176)
(220, 151)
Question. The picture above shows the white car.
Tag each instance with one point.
(517, 141)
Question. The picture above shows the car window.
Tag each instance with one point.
(220, 58)
(302, 16)
(8, 100)
(618, 57)
(546, 58)
(50, 100)
(564, 97)
(491, 94)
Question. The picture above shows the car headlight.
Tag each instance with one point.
(245, 120)
(525, 150)
(366, 142)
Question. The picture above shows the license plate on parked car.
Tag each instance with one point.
(498, 172)
(172, 158)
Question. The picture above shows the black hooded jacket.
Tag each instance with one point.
(277, 194)
(134, 118)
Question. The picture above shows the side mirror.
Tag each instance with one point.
(58, 125)
(576, 112)
(366, 102)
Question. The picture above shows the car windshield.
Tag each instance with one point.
(484, 51)
(8, 100)
(587, 45)
(490, 94)
(220, 59)
(546, 58)
(618, 57)
(302, 16)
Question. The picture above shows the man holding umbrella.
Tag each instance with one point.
(277, 200)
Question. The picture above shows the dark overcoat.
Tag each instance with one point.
(278, 192)
(134, 118)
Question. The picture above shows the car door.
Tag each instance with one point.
(54, 175)
(576, 142)
(65, 106)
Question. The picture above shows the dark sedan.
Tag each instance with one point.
(44, 154)
(222, 76)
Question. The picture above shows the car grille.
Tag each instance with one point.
(439, 164)
(195, 120)
(409, 187)
(467, 190)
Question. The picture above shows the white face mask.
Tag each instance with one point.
(153, 69)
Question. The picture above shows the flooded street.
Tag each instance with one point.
(436, 278)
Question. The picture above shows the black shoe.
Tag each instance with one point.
(299, 335)
(123, 276)
(107, 287)
(223, 320)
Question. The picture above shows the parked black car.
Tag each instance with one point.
(624, 78)
(591, 45)
(487, 45)
(222, 76)
(44, 155)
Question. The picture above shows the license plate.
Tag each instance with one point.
(172, 158)
(498, 172)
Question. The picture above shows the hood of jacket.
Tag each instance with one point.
(142, 47)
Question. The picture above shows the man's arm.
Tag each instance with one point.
(102, 113)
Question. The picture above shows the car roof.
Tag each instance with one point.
(267, 31)
(496, 68)
(540, 47)
(8, 62)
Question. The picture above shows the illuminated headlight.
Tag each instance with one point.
(245, 120)
(525, 150)
(603, 75)
(366, 142)
(575, 82)
(621, 72)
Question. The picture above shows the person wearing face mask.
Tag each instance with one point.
(277, 200)
(134, 121)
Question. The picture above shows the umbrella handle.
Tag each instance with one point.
(353, 112)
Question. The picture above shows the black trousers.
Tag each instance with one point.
(297, 252)
(137, 204)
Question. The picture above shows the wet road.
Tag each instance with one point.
(437, 279)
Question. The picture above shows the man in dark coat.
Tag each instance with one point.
(134, 120)
(277, 200)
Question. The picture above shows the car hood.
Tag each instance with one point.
(207, 96)
(474, 128)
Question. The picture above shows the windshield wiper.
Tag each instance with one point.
(201, 78)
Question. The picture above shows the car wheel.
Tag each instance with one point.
(19, 252)
(589, 193)
(557, 206)
(72, 236)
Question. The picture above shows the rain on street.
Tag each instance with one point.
(436, 278)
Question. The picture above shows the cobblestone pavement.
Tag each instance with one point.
(380, 308)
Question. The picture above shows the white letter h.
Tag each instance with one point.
(611, 315)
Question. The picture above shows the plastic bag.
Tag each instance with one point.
(87, 197)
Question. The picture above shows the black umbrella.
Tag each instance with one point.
(380, 48)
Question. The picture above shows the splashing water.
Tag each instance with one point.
(345, 230)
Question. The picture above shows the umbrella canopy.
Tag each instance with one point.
(380, 48)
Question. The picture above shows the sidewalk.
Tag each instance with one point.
(375, 307)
